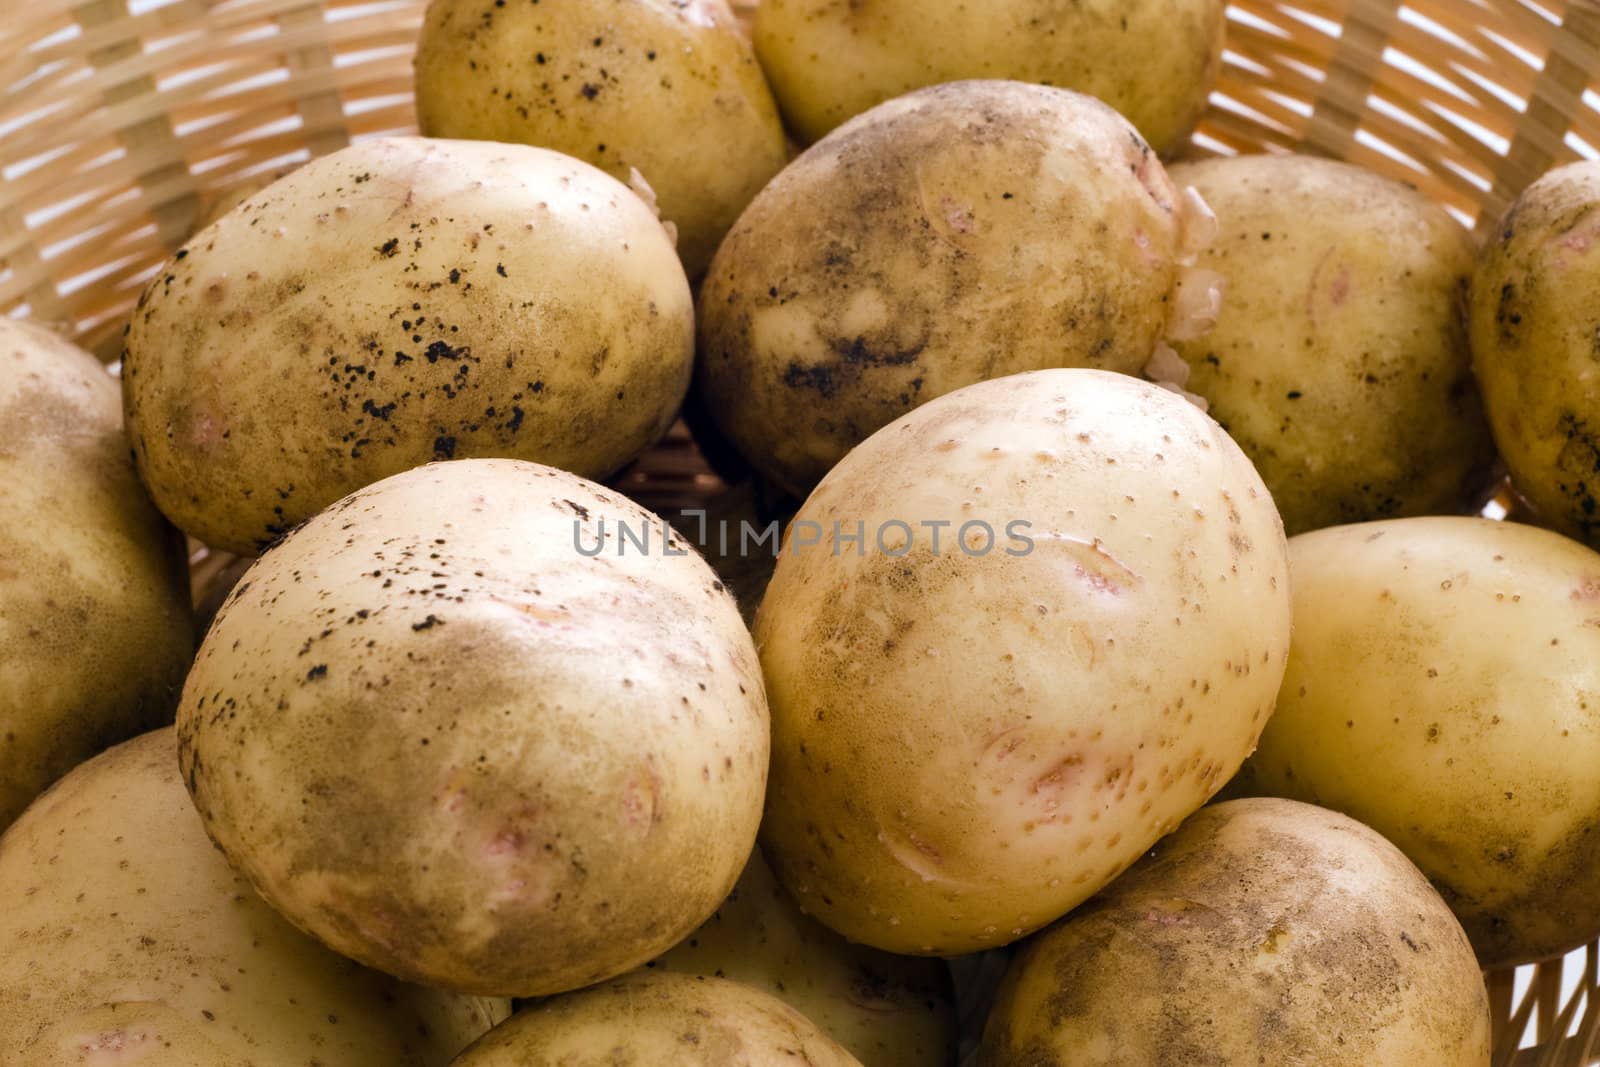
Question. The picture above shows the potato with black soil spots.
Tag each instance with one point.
(1048, 625)
(1444, 688)
(889, 1011)
(401, 301)
(462, 731)
(960, 233)
(1339, 359)
(1536, 345)
(95, 627)
(659, 1019)
(1262, 932)
(126, 939)
(668, 88)
(1153, 60)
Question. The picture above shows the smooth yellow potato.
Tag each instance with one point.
(961, 233)
(678, 1019)
(1153, 60)
(1339, 361)
(400, 301)
(967, 744)
(888, 1011)
(669, 88)
(1262, 932)
(126, 939)
(1444, 689)
(444, 740)
(1536, 345)
(95, 628)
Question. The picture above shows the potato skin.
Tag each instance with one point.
(1444, 689)
(95, 626)
(888, 1011)
(1263, 931)
(441, 740)
(217, 203)
(400, 301)
(1153, 60)
(661, 1018)
(667, 87)
(1340, 361)
(960, 233)
(965, 746)
(1536, 342)
(126, 938)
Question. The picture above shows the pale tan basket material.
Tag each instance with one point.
(120, 118)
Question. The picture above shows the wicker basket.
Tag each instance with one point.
(120, 118)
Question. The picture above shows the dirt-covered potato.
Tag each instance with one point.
(1153, 60)
(960, 233)
(659, 1018)
(1444, 688)
(126, 939)
(1014, 638)
(669, 88)
(95, 628)
(889, 1011)
(1536, 345)
(1339, 361)
(1262, 932)
(400, 301)
(450, 730)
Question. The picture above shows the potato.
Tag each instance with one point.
(95, 629)
(126, 938)
(399, 301)
(1153, 60)
(665, 87)
(889, 1011)
(973, 734)
(964, 232)
(1339, 361)
(1262, 932)
(216, 203)
(1444, 689)
(441, 736)
(1536, 342)
(659, 1019)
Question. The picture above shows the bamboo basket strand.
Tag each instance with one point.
(121, 119)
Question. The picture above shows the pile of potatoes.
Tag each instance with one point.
(1117, 485)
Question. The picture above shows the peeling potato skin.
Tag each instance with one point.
(1444, 689)
(1536, 345)
(965, 747)
(1153, 60)
(437, 738)
(401, 301)
(1340, 361)
(1263, 931)
(127, 939)
(961, 233)
(888, 1011)
(663, 1018)
(670, 87)
(95, 627)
